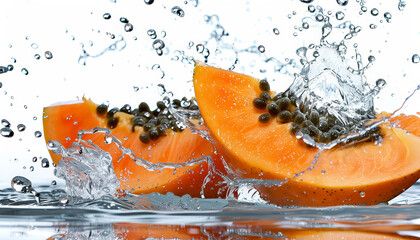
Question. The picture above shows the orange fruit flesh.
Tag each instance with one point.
(362, 173)
(61, 122)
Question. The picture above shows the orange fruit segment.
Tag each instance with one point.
(362, 173)
(63, 121)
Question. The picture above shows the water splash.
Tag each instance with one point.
(118, 45)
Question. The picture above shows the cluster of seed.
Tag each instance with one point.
(316, 123)
(155, 123)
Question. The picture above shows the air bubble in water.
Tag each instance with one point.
(149, 2)
(25, 71)
(339, 15)
(37, 134)
(276, 31)
(7, 132)
(311, 8)
(415, 58)
(374, 12)
(178, 11)
(158, 44)
(128, 27)
(48, 55)
(37, 56)
(21, 127)
(107, 16)
(5, 123)
(306, 1)
(401, 5)
(261, 48)
(342, 2)
(388, 17)
(45, 163)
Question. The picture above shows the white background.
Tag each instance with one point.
(62, 26)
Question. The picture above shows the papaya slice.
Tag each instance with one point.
(63, 121)
(361, 173)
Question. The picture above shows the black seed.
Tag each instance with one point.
(307, 123)
(284, 103)
(265, 96)
(278, 96)
(323, 126)
(161, 105)
(264, 118)
(193, 107)
(285, 116)
(299, 118)
(147, 115)
(273, 109)
(161, 130)
(111, 112)
(135, 112)
(153, 134)
(339, 129)
(331, 120)
(112, 122)
(304, 131)
(176, 103)
(264, 85)
(324, 137)
(259, 103)
(138, 121)
(334, 134)
(295, 112)
(174, 126)
(126, 109)
(153, 121)
(144, 137)
(163, 121)
(304, 107)
(295, 129)
(147, 126)
(102, 109)
(313, 131)
(156, 112)
(322, 111)
(144, 107)
(314, 117)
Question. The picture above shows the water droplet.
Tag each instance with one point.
(323, 171)
(53, 182)
(34, 45)
(21, 184)
(7, 132)
(21, 127)
(108, 139)
(388, 17)
(339, 15)
(25, 71)
(372, 26)
(311, 8)
(374, 12)
(31, 168)
(152, 33)
(362, 194)
(45, 163)
(34, 118)
(37, 56)
(128, 27)
(276, 31)
(415, 58)
(342, 2)
(199, 48)
(261, 48)
(123, 20)
(37, 134)
(13, 59)
(135, 88)
(5, 123)
(64, 200)
(306, 1)
(380, 83)
(107, 16)
(363, 8)
(401, 5)
(305, 25)
(158, 44)
(34, 159)
(48, 55)
(319, 17)
(178, 11)
(10, 67)
(149, 2)
(371, 58)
